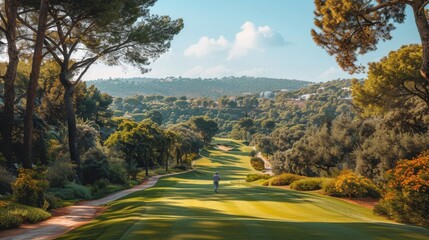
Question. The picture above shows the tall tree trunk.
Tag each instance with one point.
(177, 156)
(32, 86)
(166, 161)
(71, 123)
(423, 29)
(11, 8)
(166, 164)
(147, 166)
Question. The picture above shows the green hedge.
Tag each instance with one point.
(255, 177)
(283, 179)
(309, 184)
(72, 191)
(13, 214)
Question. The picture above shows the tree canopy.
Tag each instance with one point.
(392, 82)
(348, 28)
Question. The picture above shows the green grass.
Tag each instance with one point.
(185, 207)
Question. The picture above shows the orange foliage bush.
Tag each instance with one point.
(411, 175)
(407, 196)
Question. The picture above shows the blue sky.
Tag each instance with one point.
(269, 38)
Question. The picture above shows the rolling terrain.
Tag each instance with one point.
(185, 207)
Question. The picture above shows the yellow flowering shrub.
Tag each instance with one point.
(350, 184)
(29, 187)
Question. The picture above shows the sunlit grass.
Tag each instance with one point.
(185, 207)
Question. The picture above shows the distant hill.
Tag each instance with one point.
(213, 88)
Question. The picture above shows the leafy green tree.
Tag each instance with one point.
(268, 125)
(391, 82)
(134, 141)
(348, 28)
(94, 105)
(207, 127)
(181, 103)
(114, 32)
(155, 116)
(170, 99)
(380, 152)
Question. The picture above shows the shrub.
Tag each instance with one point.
(309, 184)
(94, 166)
(255, 177)
(352, 185)
(117, 173)
(108, 190)
(79, 191)
(59, 173)
(257, 163)
(132, 169)
(8, 220)
(63, 193)
(328, 187)
(141, 176)
(407, 196)
(349, 184)
(253, 153)
(284, 179)
(101, 184)
(181, 167)
(52, 200)
(13, 214)
(28, 214)
(6, 179)
(29, 187)
(72, 191)
(160, 171)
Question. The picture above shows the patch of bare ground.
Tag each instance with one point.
(224, 148)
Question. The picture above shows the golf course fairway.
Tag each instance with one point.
(185, 206)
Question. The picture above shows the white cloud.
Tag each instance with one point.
(207, 46)
(331, 74)
(252, 37)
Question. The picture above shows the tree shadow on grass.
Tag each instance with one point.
(164, 221)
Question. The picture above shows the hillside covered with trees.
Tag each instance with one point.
(213, 88)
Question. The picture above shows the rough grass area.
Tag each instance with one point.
(185, 207)
(13, 214)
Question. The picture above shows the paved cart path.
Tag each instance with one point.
(70, 217)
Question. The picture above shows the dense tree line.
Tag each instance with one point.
(386, 121)
(194, 87)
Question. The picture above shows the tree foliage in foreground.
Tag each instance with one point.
(391, 82)
(348, 28)
(407, 198)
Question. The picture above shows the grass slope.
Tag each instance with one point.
(185, 207)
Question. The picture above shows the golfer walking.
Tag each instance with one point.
(216, 179)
